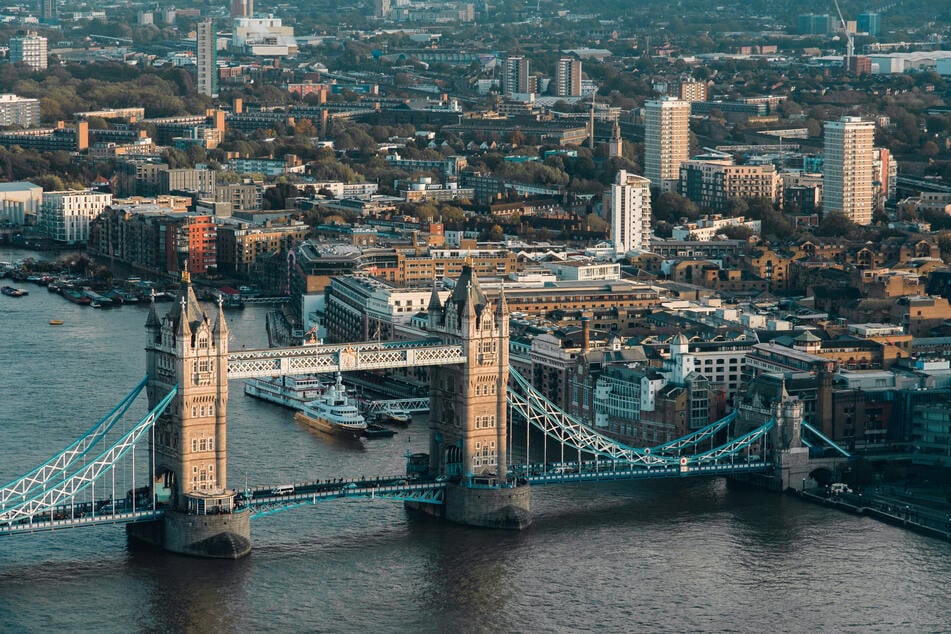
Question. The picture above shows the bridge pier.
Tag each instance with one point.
(222, 536)
(507, 508)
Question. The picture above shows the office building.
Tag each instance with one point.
(29, 49)
(568, 78)
(666, 141)
(870, 23)
(207, 58)
(629, 203)
(847, 168)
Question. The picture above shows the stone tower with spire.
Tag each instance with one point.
(616, 145)
(468, 414)
(468, 422)
(189, 450)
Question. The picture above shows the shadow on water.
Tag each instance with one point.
(188, 594)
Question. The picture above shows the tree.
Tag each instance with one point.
(836, 225)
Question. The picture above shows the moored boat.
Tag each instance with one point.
(56, 322)
(378, 431)
(395, 417)
(289, 391)
(76, 297)
(334, 413)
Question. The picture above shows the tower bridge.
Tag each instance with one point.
(186, 506)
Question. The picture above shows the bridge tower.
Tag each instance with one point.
(468, 422)
(188, 452)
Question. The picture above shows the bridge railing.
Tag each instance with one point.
(86, 476)
(558, 424)
(341, 358)
(38, 479)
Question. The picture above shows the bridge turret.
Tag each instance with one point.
(468, 441)
(190, 440)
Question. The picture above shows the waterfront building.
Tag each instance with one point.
(206, 56)
(66, 215)
(30, 49)
(628, 201)
(666, 141)
(242, 245)
(847, 168)
(154, 237)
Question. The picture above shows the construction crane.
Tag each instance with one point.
(849, 39)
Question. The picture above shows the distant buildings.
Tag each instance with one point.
(263, 36)
(242, 8)
(666, 141)
(629, 203)
(568, 78)
(516, 76)
(847, 168)
(30, 49)
(870, 23)
(49, 12)
(713, 184)
(207, 58)
(19, 111)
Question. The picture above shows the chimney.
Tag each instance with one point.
(585, 334)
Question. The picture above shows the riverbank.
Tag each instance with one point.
(898, 510)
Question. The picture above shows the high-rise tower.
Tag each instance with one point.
(629, 203)
(568, 78)
(847, 169)
(666, 141)
(206, 56)
(515, 78)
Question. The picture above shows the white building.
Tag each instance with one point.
(19, 202)
(29, 49)
(66, 215)
(666, 141)
(19, 111)
(707, 227)
(628, 201)
(847, 168)
(263, 36)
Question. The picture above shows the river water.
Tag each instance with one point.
(620, 557)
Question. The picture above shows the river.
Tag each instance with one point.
(689, 555)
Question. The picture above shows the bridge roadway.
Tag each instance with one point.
(267, 500)
(347, 357)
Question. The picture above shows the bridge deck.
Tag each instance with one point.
(341, 358)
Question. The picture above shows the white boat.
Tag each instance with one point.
(289, 391)
(333, 413)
